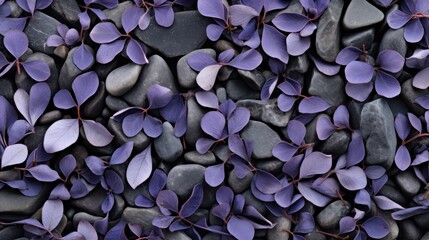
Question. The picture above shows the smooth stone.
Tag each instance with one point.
(103, 70)
(360, 14)
(394, 194)
(331, 89)
(39, 28)
(336, 144)
(397, 106)
(195, 113)
(12, 232)
(7, 89)
(254, 202)
(239, 185)
(83, 216)
(221, 94)
(271, 165)
(223, 45)
(185, 75)
(15, 10)
(205, 159)
(115, 104)
(296, 69)
(315, 235)
(263, 138)
(393, 226)
(330, 216)
(380, 142)
(212, 236)
(359, 39)
(179, 235)
(10, 175)
(328, 31)
(115, 14)
(140, 141)
(91, 203)
(311, 134)
(15, 206)
(238, 90)
(266, 111)
(409, 94)
(182, 179)
(294, 7)
(422, 220)
(26, 82)
(69, 71)
(425, 237)
(407, 182)
(95, 104)
(141, 216)
(408, 230)
(254, 79)
(187, 33)
(33, 140)
(278, 232)
(355, 109)
(131, 194)
(122, 79)
(394, 40)
(50, 117)
(68, 10)
(167, 146)
(155, 72)
(61, 51)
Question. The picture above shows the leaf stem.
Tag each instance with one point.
(415, 137)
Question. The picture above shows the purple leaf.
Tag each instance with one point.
(241, 14)
(226, 56)
(133, 124)
(168, 199)
(374, 171)
(71, 37)
(215, 174)
(240, 228)
(358, 72)
(130, 17)
(14, 154)
(207, 77)
(114, 181)
(391, 61)
(359, 92)
(290, 22)
(352, 179)
(139, 168)
(266, 182)
(95, 164)
(415, 122)
(324, 127)
(193, 203)
(248, 60)
(212, 8)
(61, 135)
(204, 144)
(207, 99)
(313, 104)
(84, 86)
(268, 88)
(347, 224)
(213, 124)
(285, 103)
(37, 70)
(121, 154)
(39, 100)
(152, 126)
(356, 150)
(420, 80)
(409, 212)
(213, 31)
(96, 134)
(144, 20)
(376, 227)
(17, 131)
(386, 203)
(82, 57)
(386, 85)
(87, 230)
(313, 196)
(296, 132)
(64, 100)
(284, 151)
(16, 42)
(198, 61)
(306, 223)
(328, 186)
(326, 68)
(238, 120)
(158, 96)
(136, 52)
(341, 117)
(55, 41)
(157, 182)
(164, 15)
(7, 24)
(413, 31)
(290, 87)
(221, 211)
(423, 101)
(284, 197)
(67, 165)
(107, 52)
(104, 32)
(402, 158)
(43, 173)
(22, 100)
(398, 19)
(296, 44)
(162, 221)
(60, 192)
(315, 163)
(348, 55)
(52, 212)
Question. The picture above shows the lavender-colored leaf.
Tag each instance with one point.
(358, 72)
(198, 61)
(313, 196)
(386, 203)
(207, 77)
(326, 68)
(327, 186)
(290, 22)
(157, 182)
(291, 168)
(296, 44)
(71, 37)
(87, 230)
(43, 173)
(64, 100)
(17, 131)
(238, 120)
(213, 124)
(324, 128)
(398, 19)
(420, 80)
(193, 203)
(268, 88)
(104, 32)
(14, 154)
(214, 175)
(214, 31)
(121, 154)
(352, 179)
(226, 56)
(67, 165)
(386, 85)
(84, 86)
(22, 100)
(158, 96)
(313, 104)
(130, 18)
(284, 197)
(114, 181)
(266, 182)
(284, 151)
(7, 24)
(61, 135)
(240, 228)
(152, 126)
(107, 52)
(203, 145)
(164, 15)
(356, 150)
(409, 212)
(136, 52)
(16, 42)
(341, 117)
(415, 122)
(374, 171)
(241, 14)
(139, 168)
(207, 99)
(248, 60)
(55, 41)
(37, 70)
(52, 212)
(347, 224)
(390, 61)
(168, 199)
(95, 164)
(402, 158)
(82, 57)
(60, 192)
(38, 101)
(96, 134)
(306, 223)
(212, 8)
(348, 55)
(413, 31)
(133, 124)
(144, 20)
(376, 227)
(315, 163)
(162, 221)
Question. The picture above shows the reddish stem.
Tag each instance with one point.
(415, 137)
